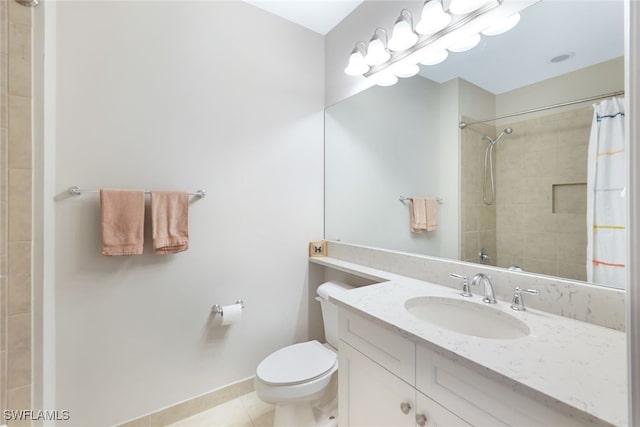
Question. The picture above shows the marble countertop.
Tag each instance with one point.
(575, 363)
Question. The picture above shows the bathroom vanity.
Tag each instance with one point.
(397, 369)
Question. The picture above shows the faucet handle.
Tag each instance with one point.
(518, 301)
(466, 290)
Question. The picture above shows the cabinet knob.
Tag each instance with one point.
(421, 420)
(405, 407)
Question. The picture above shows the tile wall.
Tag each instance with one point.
(478, 219)
(538, 219)
(541, 187)
(15, 206)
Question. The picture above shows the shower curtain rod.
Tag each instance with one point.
(548, 107)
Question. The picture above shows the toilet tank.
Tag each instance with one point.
(330, 310)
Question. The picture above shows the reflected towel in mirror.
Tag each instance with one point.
(424, 214)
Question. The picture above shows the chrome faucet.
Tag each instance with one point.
(479, 278)
(518, 301)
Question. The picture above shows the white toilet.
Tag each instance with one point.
(293, 377)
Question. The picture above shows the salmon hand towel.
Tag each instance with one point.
(424, 214)
(170, 219)
(122, 218)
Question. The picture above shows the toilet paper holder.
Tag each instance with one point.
(218, 310)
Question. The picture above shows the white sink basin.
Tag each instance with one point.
(467, 317)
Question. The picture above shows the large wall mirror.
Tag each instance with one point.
(405, 140)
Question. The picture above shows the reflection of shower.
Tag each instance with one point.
(488, 167)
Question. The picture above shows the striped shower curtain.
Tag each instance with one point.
(606, 196)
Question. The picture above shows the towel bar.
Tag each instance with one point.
(75, 191)
(406, 199)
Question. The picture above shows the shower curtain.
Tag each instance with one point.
(606, 202)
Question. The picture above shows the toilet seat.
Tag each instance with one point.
(296, 364)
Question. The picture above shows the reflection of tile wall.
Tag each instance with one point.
(3, 204)
(478, 219)
(543, 155)
(15, 206)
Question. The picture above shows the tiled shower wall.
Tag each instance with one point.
(538, 219)
(541, 187)
(15, 206)
(478, 218)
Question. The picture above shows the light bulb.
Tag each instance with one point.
(384, 78)
(403, 36)
(502, 26)
(377, 52)
(357, 65)
(433, 57)
(434, 18)
(404, 70)
(465, 44)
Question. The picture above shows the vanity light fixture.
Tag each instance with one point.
(433, 57)
(434, 18)
(404, 69)
(465, 44)
(357, 65)
(502, 26)
(377, 52)
(384, 78)
(462, 7)
(403, 36)
(456, 30)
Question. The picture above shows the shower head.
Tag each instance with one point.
(508, 131)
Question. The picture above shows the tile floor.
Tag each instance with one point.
(244, 411)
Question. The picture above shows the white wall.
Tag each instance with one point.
(476, 102)
(182, 95)
(580, 84)
(450, 167)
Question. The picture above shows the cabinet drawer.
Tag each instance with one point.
(479, 400)
(382, 345)
(435, 415)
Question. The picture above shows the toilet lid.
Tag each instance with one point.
(296, 363)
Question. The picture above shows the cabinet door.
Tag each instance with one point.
(431, 414)
(371, 396)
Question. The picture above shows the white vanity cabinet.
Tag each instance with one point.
(371, 396)
(377, 380)
(387, 380)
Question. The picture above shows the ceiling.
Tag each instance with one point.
(317, 15)
(589, 31)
